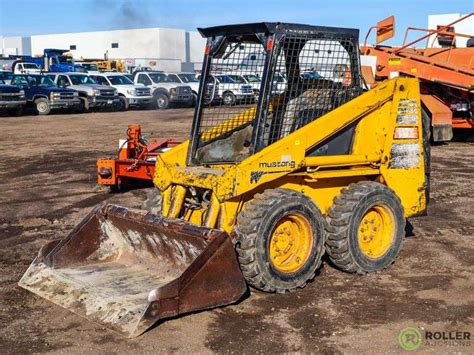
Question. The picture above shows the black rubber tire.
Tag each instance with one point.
(42, 106)
(123, 104)
(228, 98)
(253, 230)
(343, 221)
(152, 203)
(426, 124)
(162, 101)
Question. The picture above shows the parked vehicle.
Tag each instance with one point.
(42, 93)
(130, 94)
(52, 60)
(6, 76)
(92, 95)
(231, 91)
(26, 68)
(12, 99)
(90, 68)
(250, 79)
(165, 91)
(189, 79)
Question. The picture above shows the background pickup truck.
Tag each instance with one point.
(165, 91)
(92, 95)
(130, 95)
(42, 93)
(230, 91)
(12, 99)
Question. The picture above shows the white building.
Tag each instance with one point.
(464, 27)
(15, 46)
(159, 48)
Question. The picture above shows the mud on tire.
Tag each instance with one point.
(343, 226)
(254, 228)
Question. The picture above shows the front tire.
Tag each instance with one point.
(162, 101)
(365, 228)
(229, 99)
(123, 104)
(42, 106)
(280, 240)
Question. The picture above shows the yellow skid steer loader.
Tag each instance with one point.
(261, 190)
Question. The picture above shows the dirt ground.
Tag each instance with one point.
(48, 183)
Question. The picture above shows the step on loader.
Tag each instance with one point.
(260, 191)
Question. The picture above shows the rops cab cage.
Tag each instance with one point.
(260, 82)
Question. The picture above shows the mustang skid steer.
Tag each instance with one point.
(260, 190)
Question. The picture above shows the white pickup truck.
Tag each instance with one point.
(165, 92)
(231, 91)
(190, 79)
(26, 68)
(130, 94)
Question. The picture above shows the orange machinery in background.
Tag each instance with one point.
(446, 74)
(135, 163)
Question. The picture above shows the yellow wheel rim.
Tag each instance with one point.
(291, 243)
(376, 232)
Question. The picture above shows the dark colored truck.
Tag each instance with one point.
(12, 99)
(44, 95)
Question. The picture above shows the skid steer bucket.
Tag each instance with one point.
(127, 269)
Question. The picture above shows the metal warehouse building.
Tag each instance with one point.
(160, 48)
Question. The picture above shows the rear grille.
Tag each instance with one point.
(143, 92)
(10, 97)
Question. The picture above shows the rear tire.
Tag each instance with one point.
(280, 240)
(365, 228)
(42, 106)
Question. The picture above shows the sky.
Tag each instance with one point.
(29, 17)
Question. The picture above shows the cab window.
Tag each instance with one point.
(63, 81)
(173, 78)
(101, 80)
(19, 81)
(144, 79)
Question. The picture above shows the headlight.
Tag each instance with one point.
(115, 92)
(22, 93)
(54, 95)
(173, 91)
(96, 92)
(75, 94)
(131, 92)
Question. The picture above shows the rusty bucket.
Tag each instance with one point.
(127, 269)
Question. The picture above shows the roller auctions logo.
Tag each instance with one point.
(411, 338)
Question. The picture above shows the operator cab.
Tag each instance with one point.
(305, 72)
